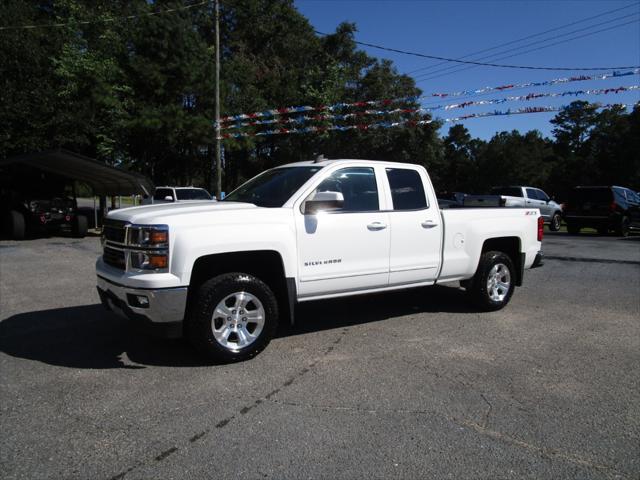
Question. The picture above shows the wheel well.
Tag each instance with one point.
(266, 265)
(511, 247)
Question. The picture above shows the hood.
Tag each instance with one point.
(148, 214)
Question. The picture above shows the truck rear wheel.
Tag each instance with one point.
(15, 225)
(233, 317)
(493, 284)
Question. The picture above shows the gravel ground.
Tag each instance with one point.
(404, 385)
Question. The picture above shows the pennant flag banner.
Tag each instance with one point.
(387, 102)
(405, 123)
(345, 116)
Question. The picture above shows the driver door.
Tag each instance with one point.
(347, 248)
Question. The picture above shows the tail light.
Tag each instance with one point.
(612, 207)
(540, 228)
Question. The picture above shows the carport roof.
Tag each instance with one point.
(102, 178)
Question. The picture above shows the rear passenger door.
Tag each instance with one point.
(416, 229)
(534, 201)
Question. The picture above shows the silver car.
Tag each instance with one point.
(519, 196)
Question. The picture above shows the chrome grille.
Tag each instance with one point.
(115, 258)
(114, 231)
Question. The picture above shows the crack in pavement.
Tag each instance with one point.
(550, 453)
(242, 411)
(485, 421)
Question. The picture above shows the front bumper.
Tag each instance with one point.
(163, 310)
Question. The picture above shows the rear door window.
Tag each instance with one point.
(407, 189)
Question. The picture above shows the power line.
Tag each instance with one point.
(469, 62)
(527, 37)
(105, 20)
(516, 49)
(532, 50)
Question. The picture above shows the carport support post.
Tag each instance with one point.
(103, 207)
(95, 213)
(218, 140)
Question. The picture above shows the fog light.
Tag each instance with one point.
(138, 301)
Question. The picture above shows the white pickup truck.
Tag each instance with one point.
(224, 273)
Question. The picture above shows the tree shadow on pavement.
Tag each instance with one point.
(90, 337)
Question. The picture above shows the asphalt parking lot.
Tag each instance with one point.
(404, 385)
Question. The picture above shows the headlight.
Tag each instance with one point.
(33, 206)
(149, 236)
(149, 260)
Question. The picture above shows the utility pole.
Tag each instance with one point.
(218, 140)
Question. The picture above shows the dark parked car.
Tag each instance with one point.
(34, 202)
(603, 208)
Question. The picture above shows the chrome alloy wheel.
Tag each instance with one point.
(498, 282)
(238, 320)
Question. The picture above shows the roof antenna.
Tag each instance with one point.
(320, 158)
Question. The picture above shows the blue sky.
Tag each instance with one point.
(456, 28)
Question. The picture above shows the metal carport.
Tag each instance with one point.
(103, 179)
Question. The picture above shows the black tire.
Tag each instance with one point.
(556, 221)
(573, 229)
(200, 317)
(623, 227)
(80, 227)
(16, 227)
(478, 289)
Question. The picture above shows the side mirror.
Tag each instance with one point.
(169, 198)
(323, 201)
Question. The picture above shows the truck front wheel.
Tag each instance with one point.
(233, 317)
(492, 286)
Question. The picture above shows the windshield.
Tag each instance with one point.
(192, 194)
(274, 187)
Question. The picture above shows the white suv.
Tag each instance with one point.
(180, 194)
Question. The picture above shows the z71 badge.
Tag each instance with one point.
(322, 262)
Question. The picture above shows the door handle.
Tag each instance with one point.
(428, 224)
(377, 226)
